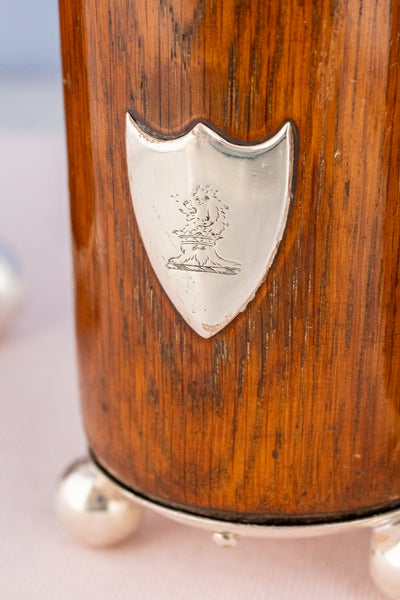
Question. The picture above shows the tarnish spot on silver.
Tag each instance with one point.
(211, 215)
(211, 329)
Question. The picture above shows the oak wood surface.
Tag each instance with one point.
(292, 411)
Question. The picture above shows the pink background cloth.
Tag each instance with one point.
(41, 433)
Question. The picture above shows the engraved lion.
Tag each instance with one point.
(206, 220)
(205, 212)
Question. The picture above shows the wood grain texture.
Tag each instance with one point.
(292, 411)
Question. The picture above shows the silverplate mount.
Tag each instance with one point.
(211, 215)
(100, 513)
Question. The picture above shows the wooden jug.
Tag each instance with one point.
(288, 416)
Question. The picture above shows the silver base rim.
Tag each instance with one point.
(100, 513)
(254, 530)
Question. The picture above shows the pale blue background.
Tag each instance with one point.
(30, 67)
(29, 39)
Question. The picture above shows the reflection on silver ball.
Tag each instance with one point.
(385, 560)
(11, 289)
(93, 508)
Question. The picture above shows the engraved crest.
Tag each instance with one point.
(206, 222)
(211, 215)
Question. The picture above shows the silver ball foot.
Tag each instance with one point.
(385, 559)
(92, 508)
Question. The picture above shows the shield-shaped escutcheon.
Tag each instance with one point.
(211, 215)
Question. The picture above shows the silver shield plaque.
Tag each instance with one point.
(211, 215)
